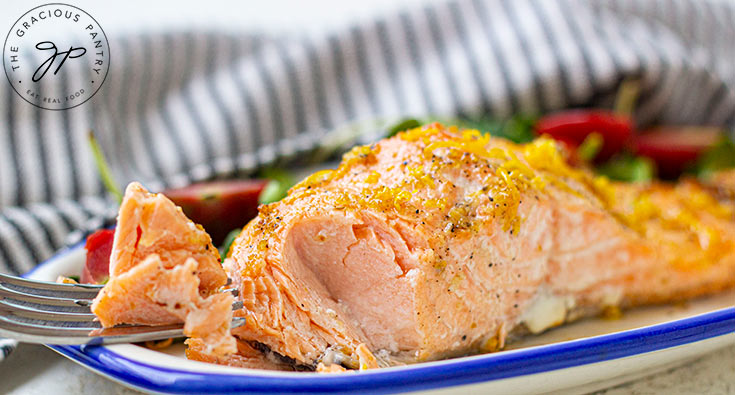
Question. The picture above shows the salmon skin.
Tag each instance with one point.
(438, 242)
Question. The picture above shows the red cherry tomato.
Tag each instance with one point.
(219, 206)
(97, 267)
(674, 148)
(573, 126)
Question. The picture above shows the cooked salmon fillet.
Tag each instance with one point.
(439, 242)
(165, 270)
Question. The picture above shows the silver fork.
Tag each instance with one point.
(50, 313)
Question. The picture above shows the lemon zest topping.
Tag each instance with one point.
(373, 177)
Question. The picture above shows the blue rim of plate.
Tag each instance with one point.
(459, 371)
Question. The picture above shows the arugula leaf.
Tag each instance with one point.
(629, 168)
(590, 147)
(104, 170)
(719, 157)
(402, 125)
(518, 128)
(280, 181)
(227, 244)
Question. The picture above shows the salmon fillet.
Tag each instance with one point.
(165, 270)
(439, 242)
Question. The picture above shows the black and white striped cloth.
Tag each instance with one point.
(186, 106)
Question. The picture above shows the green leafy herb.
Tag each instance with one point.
(280, 181)
(719, 157)
(103, 168)
(629, 168)
(402, 125)
(590, 147)
(75, 278)
(518, 128)
(627, 96)
(227, 244)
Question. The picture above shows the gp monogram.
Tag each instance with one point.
(56, 56)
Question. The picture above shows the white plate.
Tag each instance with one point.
(580, 357)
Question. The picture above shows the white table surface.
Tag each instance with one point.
(37, 370)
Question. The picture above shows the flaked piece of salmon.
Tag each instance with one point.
(152, 224)
(438, 242)
(165, 270)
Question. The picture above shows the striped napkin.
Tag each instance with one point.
(186, 106)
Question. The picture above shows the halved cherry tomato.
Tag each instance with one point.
(97, 267)
(219, 206)
(573, 126)
(675, 148)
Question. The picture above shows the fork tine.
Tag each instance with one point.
(137, 333)
(69, 291)
(23, 330)
(41, 334)
(40, 314)
(52, 321)
(48, 303)
(51, 313)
